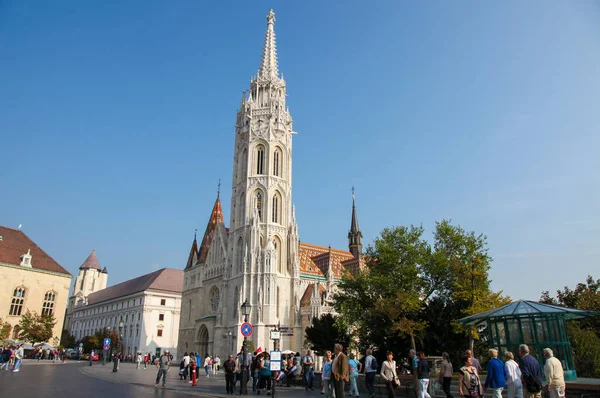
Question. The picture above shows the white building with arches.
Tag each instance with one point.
(259, 257)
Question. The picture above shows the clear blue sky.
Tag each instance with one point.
(117, 120)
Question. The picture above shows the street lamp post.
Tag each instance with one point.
(230, 338)
(246, 307)
(116, 357)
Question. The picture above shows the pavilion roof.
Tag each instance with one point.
(522, 308)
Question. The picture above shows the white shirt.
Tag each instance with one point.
(186, 360)
(512, 372)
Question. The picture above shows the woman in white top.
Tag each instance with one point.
(512, 374)
(388, 372)
(446, 374)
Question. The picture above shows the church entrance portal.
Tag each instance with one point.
(203, 341)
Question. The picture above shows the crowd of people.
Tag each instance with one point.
(523, 378)
(11, 358)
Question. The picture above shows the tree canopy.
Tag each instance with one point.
(324, 333)
(36, 328)
(412, 292)
(585, 333)
(5, 329)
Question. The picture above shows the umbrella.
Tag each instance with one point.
(287, 352)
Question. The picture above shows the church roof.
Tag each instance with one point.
(164, 280)
(193, 257)
(14, 243)
(91, 262)
(216, 217)
(308, 293)
(315, 260)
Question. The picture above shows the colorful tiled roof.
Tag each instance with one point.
(216, 217)
(15, 243)
(315, 260)
(305, 300)
(91, 262)
(164, 280)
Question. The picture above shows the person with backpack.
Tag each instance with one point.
(371, 367)
(207, 364)
(531, 373)
(163, 364)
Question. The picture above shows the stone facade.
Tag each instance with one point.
(31, 280)
(149, 307)
(259, 258)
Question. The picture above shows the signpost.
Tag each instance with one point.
(246, 329)
(106, 348)
(275, 355)
(286, 331)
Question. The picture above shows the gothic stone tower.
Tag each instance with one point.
(263, 234)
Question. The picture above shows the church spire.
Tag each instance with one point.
(354, 235)
(216, 218)
(193, 257)
(269, 68)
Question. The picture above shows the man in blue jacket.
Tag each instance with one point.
(495, 375)
(531, 373)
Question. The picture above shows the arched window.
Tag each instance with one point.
(260, 159)
(48, 306)
(275, 210)
(240, 255)
(16, 305)
(277, 155)
(259, 204)
(236, 300)
(277, 245)
(241, 210)
(245, 164)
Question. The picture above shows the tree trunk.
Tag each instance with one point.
(412, 342)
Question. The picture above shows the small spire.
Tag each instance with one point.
(195, 232)
(352, 195)
(269, 66)
(219, 189)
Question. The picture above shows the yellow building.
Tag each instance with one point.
(30, 280)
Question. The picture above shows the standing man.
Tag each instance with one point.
(555, 379)
(423, 372)
(91, 357)
(307, 367)
(164, 362)
(531, 372)
(370, 372)
(414, 367)
(229, 368)
(339, 370)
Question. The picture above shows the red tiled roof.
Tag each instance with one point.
(305, 300)
(15, 243)
(166, 280)
(216, 217)
(315, 260)
(91, 262)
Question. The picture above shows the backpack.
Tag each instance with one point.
(533, 384)
(374, 364)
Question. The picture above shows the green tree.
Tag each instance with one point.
(413, 292)
(324, 333)
(67, 340)
(36, 328)
(5, 329)
(585, 333)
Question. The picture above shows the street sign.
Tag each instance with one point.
(286, 331)
(274, 360)
(106, 347)
(275, 335)
(107, 341)
(246, 329)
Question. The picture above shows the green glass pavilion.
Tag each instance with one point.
(536, 324)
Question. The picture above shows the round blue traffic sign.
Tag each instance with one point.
(246, 329)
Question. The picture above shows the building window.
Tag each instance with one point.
(16, 305)
(236, 300)
(258, 204)
(190, 312)
(139, 316)
(161, 317)
(163, 301)
(275, 215)
(159, 333)
(48, 306)
(260, 159)
(137, 332)
(240, 254)
(277, 163)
